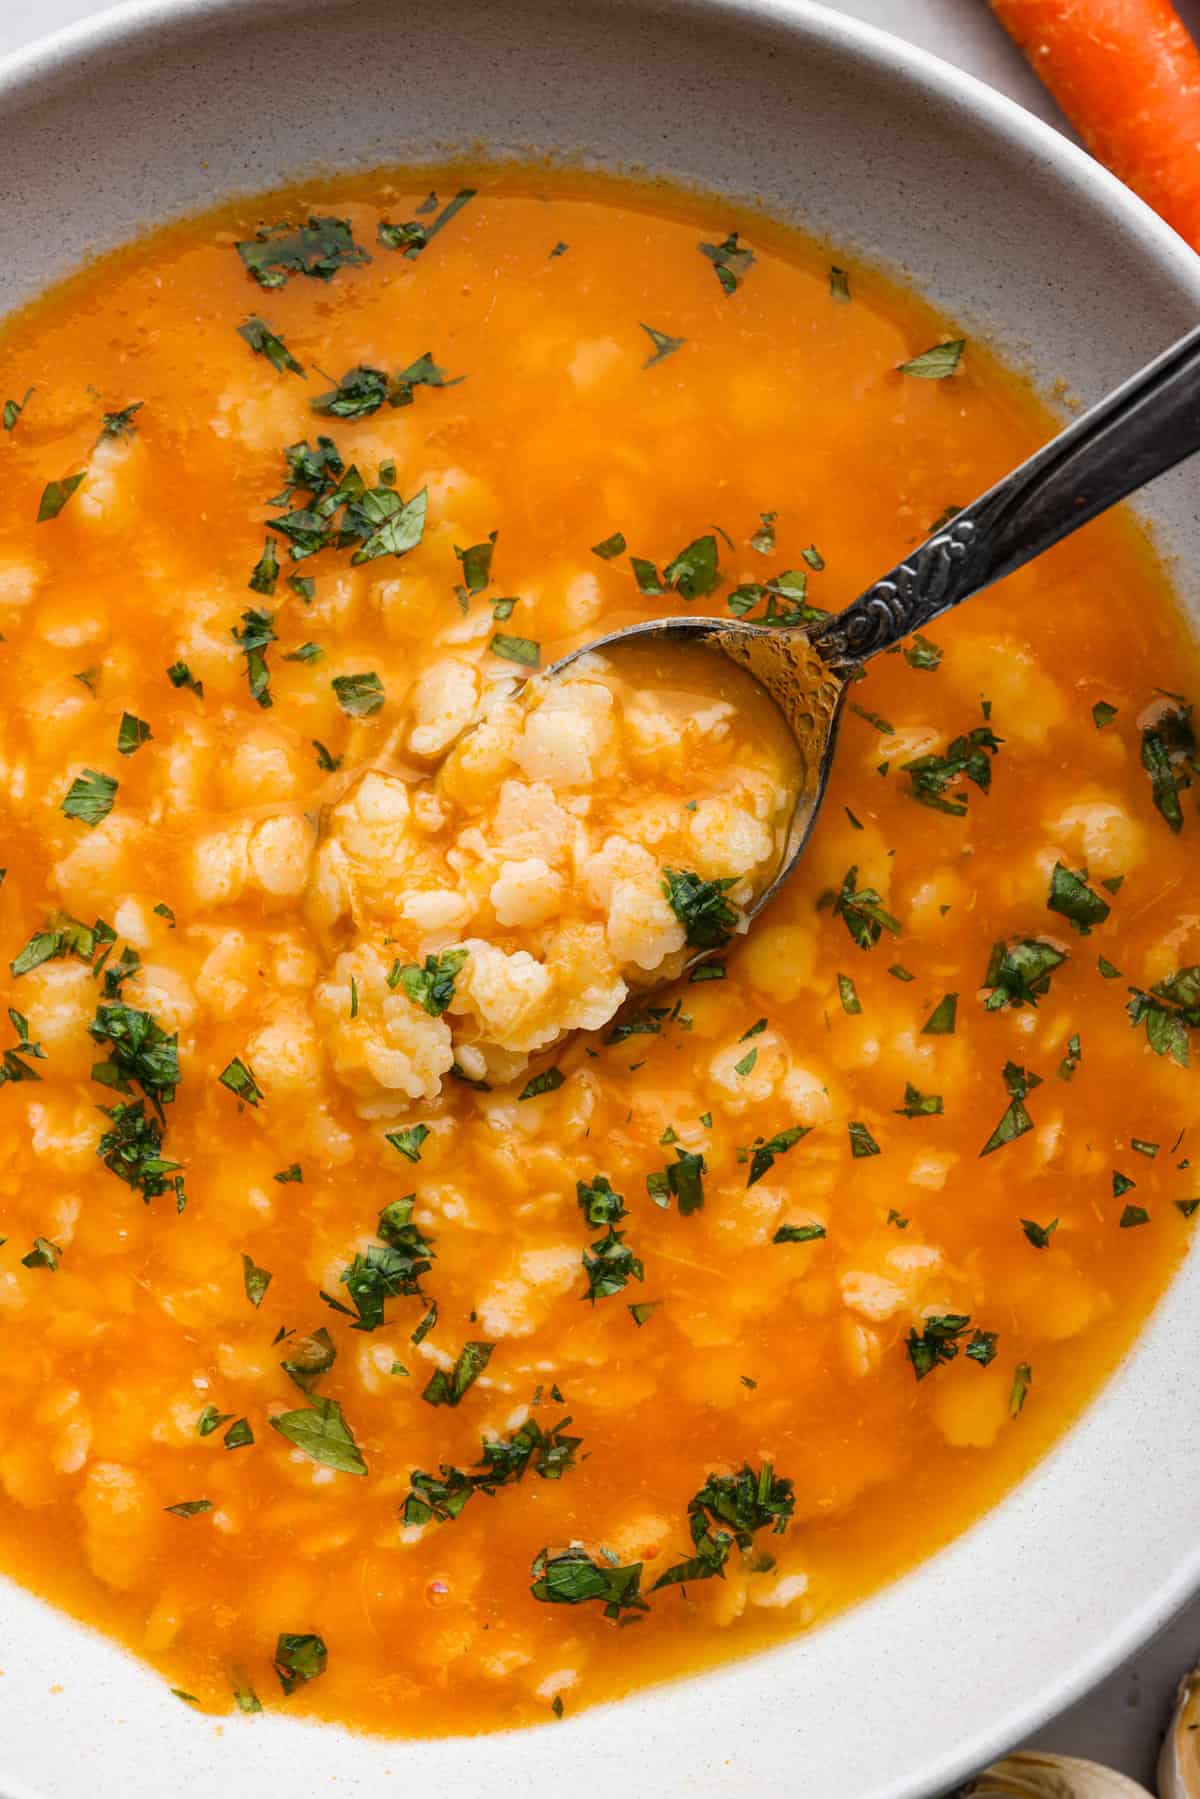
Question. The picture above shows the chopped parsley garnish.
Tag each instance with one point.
(362, 390)
(180, 675)
(1073, 898)
(90, 797)
(730, 261)
(848, 994)
(725, 1514)
(476, 561)
(55, 495)
(132, 733)
(701, 907)
(210, 1420)
(1039, 1234)
(763, 540)
(1018, 973)
(139, 1049)
(1169, 756)
(861, 1141)
(691, 574)
(388, 1269)
(240, 1081)
(320, 1431)
(839, 284)
(663, 344)
(798, 1233)
(445, 1388)
(239, 1435)
(65, 936)
(256, 1280)
(610, 1265)
(1072, 1059)
(918, 1104)
(258, 630)
(525, 650)
(319, 247)
(359, 696)
(766, 1150)
(13, 409)
(1132, 1216)
(189, 1508)
(644, 1310)
(265, 574)
(943, 1019)
(938, 1342)
(790, 587)
(408, 1141)
(1169, 1011)
(863, 912)
(982, 1347)
(610, 547)
(549, 1081)
(132, 1150)
(120, 423)
(572, 1577)
(1103, 714)
(1022, 1381)
(308, 1358)
(264, 342)
(299, 1659)
(432, 986)
(44, 1254)
(1016, 1120)
(505, 1461)
(325, 762)
(966, 757)
(935, 364)
(412, 238)
(922, 654)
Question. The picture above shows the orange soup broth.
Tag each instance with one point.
(782, 399)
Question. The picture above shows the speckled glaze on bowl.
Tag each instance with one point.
(163, 106)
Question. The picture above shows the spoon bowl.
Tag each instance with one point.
(1143, 428)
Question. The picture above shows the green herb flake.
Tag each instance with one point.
(573, 1577)
(730, 261)
(89, 799)
(664, 345)
(180, 675)
(848, 994)
(256, 1280)
(839, 285)
(240, 1081)
(967, 757)
(448, 1388)
(862, 912)
(359, 696)
(321, 1433)
(549, 1081)
(861, 1141)
(408, 1141)
(55, 495)
(700, 906)
(1169, 751)
(1039, 1234)
(1103, 714)
(293, 1172)
(1168, 1012)
(1016, 1120)
(609, 547)
(1018, 972)
(935, 364)
(1022, 1381)
(13, 409)
(318, 248)
(918, 1104)
(189, 1508)
(1071, 896)
(239, 1435)
(798, 1233)
(264, 342)
(937, 1343)
(299, 1659)
(44, 1254)
(1132, 1216)
(525, 650)
(431, 986)
(210, 1420)
(132, 733)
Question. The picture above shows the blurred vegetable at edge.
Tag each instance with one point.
(1127, 75)
(1031, 1775)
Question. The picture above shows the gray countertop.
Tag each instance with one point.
(1122, 1721)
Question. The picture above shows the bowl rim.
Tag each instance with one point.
(67, 51)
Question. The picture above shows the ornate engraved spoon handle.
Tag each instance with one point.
(1142, 429)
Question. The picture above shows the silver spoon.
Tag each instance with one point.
(1141, 430)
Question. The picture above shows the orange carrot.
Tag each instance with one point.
(1127, 75)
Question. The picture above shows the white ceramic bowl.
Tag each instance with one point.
(159, 107)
